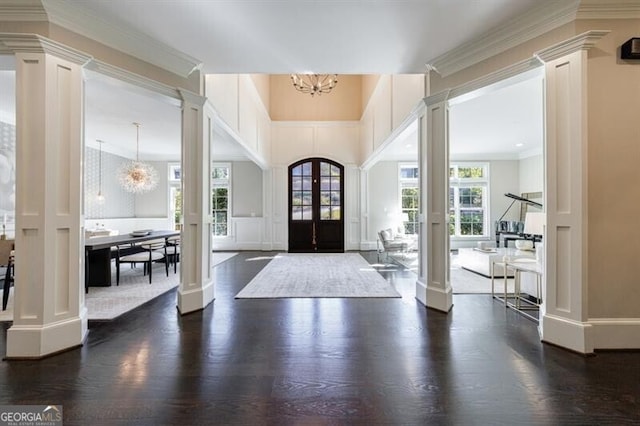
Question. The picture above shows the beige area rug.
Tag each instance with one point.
(107, 303)
(317, 275)
(462, 280)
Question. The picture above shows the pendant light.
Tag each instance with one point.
(136, 176)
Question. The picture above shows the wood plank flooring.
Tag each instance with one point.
(325, 362)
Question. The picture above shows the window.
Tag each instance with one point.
(468, 200)
(329, 191)
(409, 197)
(220, 179)
(301, 193)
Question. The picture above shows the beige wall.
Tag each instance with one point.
(614, 157)
(342, 104)
(263, 87)
(369, 83)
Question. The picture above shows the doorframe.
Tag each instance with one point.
(343, 171)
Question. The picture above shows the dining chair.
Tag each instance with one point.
(8, 280)
(173, 251)
(150, 251)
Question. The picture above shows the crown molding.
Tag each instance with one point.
(609, 9)
(529, 65)
(33, 43)
(584, 41)
(135, 82)
(22, 11)
(523, 28)
(78, 19)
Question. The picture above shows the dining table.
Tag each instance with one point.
(98, 253)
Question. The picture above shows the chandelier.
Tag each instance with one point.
(314, 83)
(136, 176)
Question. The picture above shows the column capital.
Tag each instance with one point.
(34, 43)
(437, 98)
(584, 41)
(192, 98)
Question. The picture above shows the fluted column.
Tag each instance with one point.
(197, 286)
(49, 310)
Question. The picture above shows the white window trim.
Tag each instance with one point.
(467, 182)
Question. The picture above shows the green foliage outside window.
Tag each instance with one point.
(220, 203)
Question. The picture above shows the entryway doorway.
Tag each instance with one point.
(316, 208)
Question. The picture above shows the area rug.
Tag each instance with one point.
(317, 276)
(462, 280)
(107, 303)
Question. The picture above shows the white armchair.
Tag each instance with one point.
(392, 242)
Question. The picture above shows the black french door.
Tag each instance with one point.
(316, 206)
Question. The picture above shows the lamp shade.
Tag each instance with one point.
(534, 223)
(405, 217)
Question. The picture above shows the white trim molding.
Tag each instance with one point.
(584, 41)
(22, 11)
(609, 9)
(34, 43)
(525, 27)
(615, 333)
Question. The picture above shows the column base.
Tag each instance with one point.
(197, 299)
(421, 292)
(39, 341)
(434, 297)
(573, 335)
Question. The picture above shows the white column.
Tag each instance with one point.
(564, 310)
(49, 311)
(197, 287)
(433, 287)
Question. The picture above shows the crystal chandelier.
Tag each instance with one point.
(136, 176)
(314, 83)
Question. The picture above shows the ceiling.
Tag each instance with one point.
(321, 36)
(284, 36)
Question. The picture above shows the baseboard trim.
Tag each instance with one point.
(573, 335)
(421, 292)
(197, 299)
(39, 341)
(440, 299)
(616, 333)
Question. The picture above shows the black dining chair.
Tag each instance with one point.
(150, 251)
(8, 280)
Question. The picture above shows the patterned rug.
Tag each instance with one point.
(317, 275)
(107, 303)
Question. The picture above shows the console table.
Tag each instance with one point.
(518, 266)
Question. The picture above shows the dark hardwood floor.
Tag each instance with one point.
(325, 361)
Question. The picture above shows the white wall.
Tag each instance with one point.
(384, 199)
(246, 189)
(531, 174)
(155, 204)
